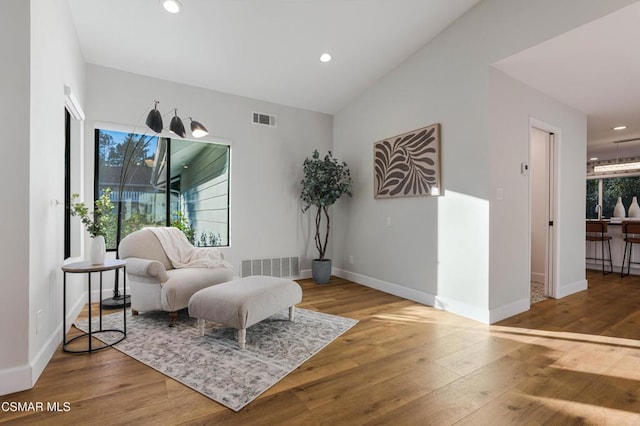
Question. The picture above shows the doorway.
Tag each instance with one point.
(542, 186)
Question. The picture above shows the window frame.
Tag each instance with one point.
(601, 188)
(67, 184)
(167, 192)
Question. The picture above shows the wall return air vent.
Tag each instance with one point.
(273, 267)
(264, 119)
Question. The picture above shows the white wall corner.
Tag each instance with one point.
(572, 288)
(386, 287)
(509, 310)
(463, 309)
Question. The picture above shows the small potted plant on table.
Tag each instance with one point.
(94, 222)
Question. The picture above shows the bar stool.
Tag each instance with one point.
(597, 232)
(631, 230)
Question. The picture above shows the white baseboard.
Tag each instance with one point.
(25, 377)
(438, 302)
(15, 379)
(449, 305)
(96, 296)
(572, 288)
(462, 309)
(305, 274)
(42, 358)
(487, 316)
(537, 277)
(616, 268)
(509, 310)
(387, 287)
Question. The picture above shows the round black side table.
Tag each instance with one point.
(88, 268)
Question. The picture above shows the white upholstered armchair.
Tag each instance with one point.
(155, 283)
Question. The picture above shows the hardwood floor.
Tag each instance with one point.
(569, 361)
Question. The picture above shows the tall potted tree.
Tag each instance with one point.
(325, 181)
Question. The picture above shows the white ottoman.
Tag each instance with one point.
(244, 302)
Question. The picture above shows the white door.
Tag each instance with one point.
(542, 207)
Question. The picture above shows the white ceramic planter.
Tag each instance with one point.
(619, 210)
(97, 250)
(634, 208)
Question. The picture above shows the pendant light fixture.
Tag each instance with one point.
(618, 167)
(154, 119)
(176, 125)
(197, 129)
(154, 122)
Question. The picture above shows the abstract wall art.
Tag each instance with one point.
(408, 165)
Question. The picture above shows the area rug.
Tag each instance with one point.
(212, 364)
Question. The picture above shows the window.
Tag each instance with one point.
(605, 192)
(593, 198)
(160, 182)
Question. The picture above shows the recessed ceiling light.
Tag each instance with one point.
(619, 127)
(171, 6)
(325, 57)
(593, 158)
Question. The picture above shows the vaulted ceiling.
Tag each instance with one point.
(270, 49)
(263, 49)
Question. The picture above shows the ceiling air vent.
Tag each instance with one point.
(264, 119)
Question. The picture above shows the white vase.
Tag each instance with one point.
(97, 250)
(619, 210)
(634, 208)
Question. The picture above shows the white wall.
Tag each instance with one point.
(56, 61)
(512, 105)
(14, 214)
(448, 249)
(538, 178)
(266, 162)
(41, 42)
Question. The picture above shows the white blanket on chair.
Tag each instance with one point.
(183, 254)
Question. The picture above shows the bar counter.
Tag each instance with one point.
(617, 247)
